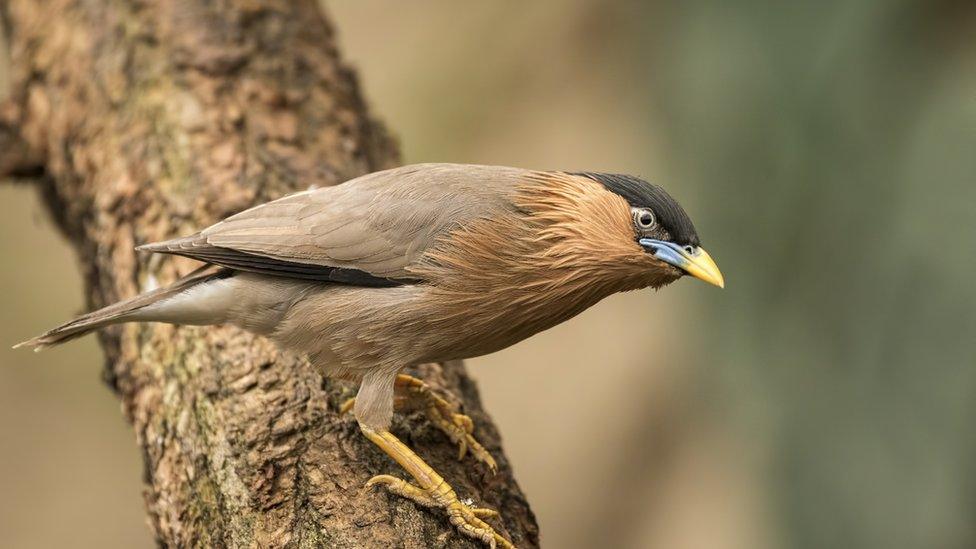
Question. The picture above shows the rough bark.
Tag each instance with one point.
(152, 119)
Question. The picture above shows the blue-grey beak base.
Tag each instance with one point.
(668, 252)
(690, 259)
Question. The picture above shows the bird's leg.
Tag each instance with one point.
(414, 394)
(432, 490)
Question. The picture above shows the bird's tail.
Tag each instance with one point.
(122, 311)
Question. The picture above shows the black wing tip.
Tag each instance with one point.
(194, 247)
(269, 266)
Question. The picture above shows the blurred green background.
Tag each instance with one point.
(827, 152)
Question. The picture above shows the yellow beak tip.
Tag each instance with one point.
(703, 267)
(714, 281)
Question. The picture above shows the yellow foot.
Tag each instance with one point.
(433, 491)
(414, 394)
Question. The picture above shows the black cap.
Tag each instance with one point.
(641, 194)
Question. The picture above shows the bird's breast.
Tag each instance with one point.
(494, 317)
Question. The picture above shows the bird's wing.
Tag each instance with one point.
(367, 231)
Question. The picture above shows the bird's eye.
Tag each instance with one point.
(643, 218)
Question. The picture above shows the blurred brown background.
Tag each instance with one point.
(824, 399)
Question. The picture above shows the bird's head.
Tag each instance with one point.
(666, 240)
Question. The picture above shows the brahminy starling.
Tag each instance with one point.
(423, 263)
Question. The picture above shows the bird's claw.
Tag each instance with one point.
(459, 428)
(484, 512)
(465, 422)
(467, 519)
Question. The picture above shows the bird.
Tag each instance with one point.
(418, 264)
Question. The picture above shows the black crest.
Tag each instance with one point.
(641, 194)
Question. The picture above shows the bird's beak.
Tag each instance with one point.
(690, 259)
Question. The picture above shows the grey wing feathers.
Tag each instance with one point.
(368, 231)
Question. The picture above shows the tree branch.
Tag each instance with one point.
(158, 118)
(17, 158)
